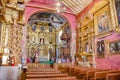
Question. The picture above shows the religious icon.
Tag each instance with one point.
(42, 28)
(117, 2)
(100, 49)
(50, 29)
(0, 30)
(103, 22)
(34, 28)
(41, 40)
(115, 47)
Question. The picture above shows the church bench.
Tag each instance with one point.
(37, 65)
(80, 72)
(90, 73)
(41, 70)
(34, 73)
(58, 78)
(72, 69)
(102, 74)
(113, 76)
(46, 76)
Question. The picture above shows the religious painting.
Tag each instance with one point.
(114, 47)
(102, 20)
(100, 49)
(117, 5)
(0, 31)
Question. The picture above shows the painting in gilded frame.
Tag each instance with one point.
(102, 20)
(100, 49)
(114, 47)
(117, 5)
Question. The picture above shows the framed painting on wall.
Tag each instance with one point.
(100, 49)
(117, 6)
(0, 31)
(114, 47)
(102, 20)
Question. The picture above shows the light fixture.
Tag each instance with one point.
(60, 7)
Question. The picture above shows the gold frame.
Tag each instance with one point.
(113, 8)
(98, 14)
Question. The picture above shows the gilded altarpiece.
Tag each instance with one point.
(40, 40)
(44, 37)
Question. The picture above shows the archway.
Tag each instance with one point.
(48, 37)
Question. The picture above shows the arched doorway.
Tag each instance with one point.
(48, 37)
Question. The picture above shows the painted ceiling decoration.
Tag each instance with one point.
(50, 18)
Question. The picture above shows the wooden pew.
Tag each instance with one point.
(46, 76)
(102, 74)
(113, 76)
(41, 70)
(90, 73)
(80, 72)
(61, 78)
(34, 73)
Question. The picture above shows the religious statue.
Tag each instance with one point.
(41, 40)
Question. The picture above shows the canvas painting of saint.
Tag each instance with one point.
(115, 47)
(103, 22)
(117, 3)
(100, 49)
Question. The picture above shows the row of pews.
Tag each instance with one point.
(85, 73)
(45, 73)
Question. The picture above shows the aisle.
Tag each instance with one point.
(46, 73)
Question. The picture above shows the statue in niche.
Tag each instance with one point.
(42, 28)
(50, 29)
(87, 48)
(41, 40)
(32, 51)
(37, 55)
(34, 28)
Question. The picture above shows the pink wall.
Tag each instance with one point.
(110, 61)
(32, 10)
(41, 6)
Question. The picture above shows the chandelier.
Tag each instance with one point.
(60, 7)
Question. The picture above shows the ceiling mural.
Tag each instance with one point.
(50, 18)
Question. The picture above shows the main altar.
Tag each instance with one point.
(48, 37)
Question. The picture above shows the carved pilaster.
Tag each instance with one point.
(3, 35)
(8, 16)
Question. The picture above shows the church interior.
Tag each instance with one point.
(59, 39)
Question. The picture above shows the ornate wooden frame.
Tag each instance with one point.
(99, 14)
